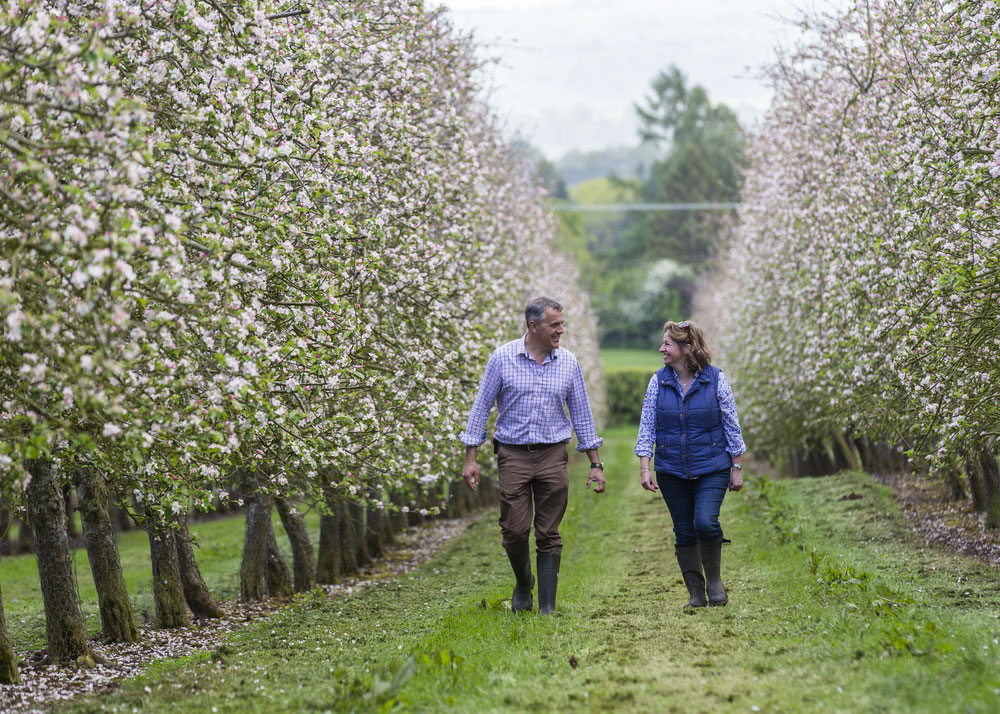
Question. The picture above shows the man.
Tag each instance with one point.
(532, 380)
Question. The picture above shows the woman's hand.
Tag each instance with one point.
(735, 479)
(648, 479)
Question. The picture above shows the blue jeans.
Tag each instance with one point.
(694, 504)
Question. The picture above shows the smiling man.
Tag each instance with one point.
(532, 381)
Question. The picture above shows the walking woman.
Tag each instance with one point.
(689, 420)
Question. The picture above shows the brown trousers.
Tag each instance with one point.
(542, 477)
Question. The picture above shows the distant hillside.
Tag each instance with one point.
(622, 161)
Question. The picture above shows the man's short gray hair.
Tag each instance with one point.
(536, 308)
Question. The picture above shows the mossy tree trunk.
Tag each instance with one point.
(168, 591)
(196, 593)
(276, 573)
(303, 560)
(8, 660)
(65, 634)
(117, 619)
(258, 524)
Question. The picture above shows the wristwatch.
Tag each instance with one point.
(597, 465)
(738, 467)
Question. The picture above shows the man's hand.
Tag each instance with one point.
(597, 478)
(470, 472)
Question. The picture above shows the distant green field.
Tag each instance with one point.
(628, 358)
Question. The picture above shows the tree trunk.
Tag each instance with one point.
(258, 523)
(357, 517)
(864, 446)
(117, 619)
(8, 660)
(329, 558)
(124, 521)
(977, 487)
(374, 532)
(880, 454)
(398, 517)
(845, 455)
(279, 579)
(25, 539)
(69, 496)
(65, 633)
(168, 591)
(303, 560)
(953, 478)
(6, 521)
(991, 479)
(196, 593)
(349, 537)
(818, 458)
(413, 518)
(455, 505)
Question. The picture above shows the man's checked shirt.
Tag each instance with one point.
(531, 400)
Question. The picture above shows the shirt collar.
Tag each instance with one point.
(523, 350)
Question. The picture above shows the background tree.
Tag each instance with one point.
(702, 162)
(642, 268)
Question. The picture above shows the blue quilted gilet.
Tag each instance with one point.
(690, 439)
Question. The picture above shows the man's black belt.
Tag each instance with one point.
(528, 447)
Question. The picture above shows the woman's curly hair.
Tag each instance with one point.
(688, 333)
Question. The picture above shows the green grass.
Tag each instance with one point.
(614, 358)
(878, 624)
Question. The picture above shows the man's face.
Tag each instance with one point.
(550, 329)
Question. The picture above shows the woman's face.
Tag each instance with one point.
(673, 353)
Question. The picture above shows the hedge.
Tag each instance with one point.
(626, 388)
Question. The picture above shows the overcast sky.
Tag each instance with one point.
(569, 71)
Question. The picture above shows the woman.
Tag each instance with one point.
(689, 419)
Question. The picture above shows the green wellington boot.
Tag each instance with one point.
(711, 559)
(548, 581)
(689, 559)
(520, 561)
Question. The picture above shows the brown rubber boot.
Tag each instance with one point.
(689, 559)
(711, 559)
(520, 562)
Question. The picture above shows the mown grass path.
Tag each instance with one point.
(831, 611)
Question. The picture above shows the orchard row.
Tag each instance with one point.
(248, 246)
(861, 292)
